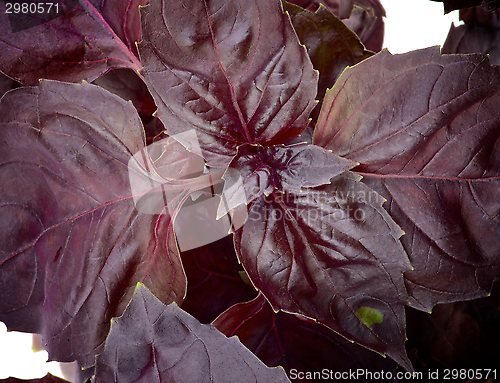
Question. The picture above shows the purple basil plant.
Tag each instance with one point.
(240, 190)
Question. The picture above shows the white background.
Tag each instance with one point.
(410, 25)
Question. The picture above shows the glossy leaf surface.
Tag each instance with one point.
(258, 170)
(330, 256)
(296, 343)
(155, 342)
(426, 132)
(74, 244)
(233, 70)
(86, 39)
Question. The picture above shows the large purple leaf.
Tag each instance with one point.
(233, 70)
(74, 242)
(330, 44)
(216, 280)
(425, 128)
(258, 170)
(333, 254)
(82, 41)
(152, 342)
(300, 345)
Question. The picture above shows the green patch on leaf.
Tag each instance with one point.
(369, 316)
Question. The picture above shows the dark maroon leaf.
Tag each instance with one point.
(330, 44)
(437, 277)
(129, 86)
(374, 5)
(6, 84)
(154, 342)
(74, 242)
(363, 17)
(300, 345)
(154, 129)
(479, 34)
(426, 131)
(196, 224)
(340, 8)
(46, 379)
(216, 280)
(473, 39)
(258, 170)
(487, 5)
(233, 70)
(333, 254)
(83, 42)
(457, 335)
(479, 17)
(368, 24)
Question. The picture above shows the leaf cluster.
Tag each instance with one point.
(234, 190)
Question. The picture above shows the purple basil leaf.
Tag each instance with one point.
(479, 17)
(479, 34)
(473, 39)
(363, 17)
(330, 44)
(457, 335)
(232, 69)
(368, 24)
(333, 254)
(487, 5)
(154, 342)
(296, 343)
(129, 86)
(426, 130)
(438, 276)
(340, 8)
(87, 38)
(215, 280)
(74, 242)
(46, 379)
(258, 170)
